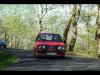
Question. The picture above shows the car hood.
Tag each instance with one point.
(50, 43)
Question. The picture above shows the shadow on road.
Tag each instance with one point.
(27, 61)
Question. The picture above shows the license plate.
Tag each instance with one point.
(51, 53)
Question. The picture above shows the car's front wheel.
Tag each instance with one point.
(36, 56)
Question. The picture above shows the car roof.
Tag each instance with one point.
(48, 33)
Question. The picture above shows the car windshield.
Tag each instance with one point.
(49, 37)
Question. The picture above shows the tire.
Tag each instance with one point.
(61, 57)
(35, 56)
(4, 46)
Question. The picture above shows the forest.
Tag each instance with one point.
(78, 24)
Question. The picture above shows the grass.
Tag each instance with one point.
(6, 59)
(82, 53)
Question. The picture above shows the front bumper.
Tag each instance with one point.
(54, 54)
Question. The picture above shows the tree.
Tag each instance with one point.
(65, 34)
(77, 9)
(43, 9)
(72, 21)
(98, 32)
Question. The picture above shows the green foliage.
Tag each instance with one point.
(19, 26)
(53, 19)
(86, 53)
(6, 59)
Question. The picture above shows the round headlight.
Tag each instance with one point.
(63, 48)
(43, 47)
(59, 47)
(39, 46)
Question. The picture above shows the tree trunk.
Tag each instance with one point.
(74, 30)
(40, 24)
(5, 35)
(66, 30)
(65, 34)
(73, 40)
(98, 32)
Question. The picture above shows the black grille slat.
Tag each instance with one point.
(51, 48)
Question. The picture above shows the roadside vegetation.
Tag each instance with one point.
(6, 59)
(84, 54)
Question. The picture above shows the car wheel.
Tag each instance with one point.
(4, 46)
(61, 57)
(34, 53)
(36, 56)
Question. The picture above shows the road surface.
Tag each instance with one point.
(27, 62)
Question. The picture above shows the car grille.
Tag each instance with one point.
(51, 48)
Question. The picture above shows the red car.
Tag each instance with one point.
(49, 44)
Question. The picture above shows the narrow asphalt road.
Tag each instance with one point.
(27, 62)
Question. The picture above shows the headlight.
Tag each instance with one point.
(63, 48)
(59, 47)
(39, 46)
(43, 47)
